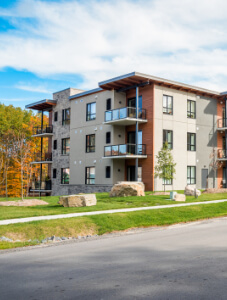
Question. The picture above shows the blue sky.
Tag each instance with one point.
(46, 46)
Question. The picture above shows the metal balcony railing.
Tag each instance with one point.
(125, 149)
(43, 156)
(42, 130)
(41, 185)
(222, 123)
(222, 154)
(123, 113)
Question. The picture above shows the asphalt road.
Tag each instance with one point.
(178, 262)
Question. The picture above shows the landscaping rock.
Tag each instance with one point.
(78, 200)
(190, 191)
(5, 239)
(127, 188)
(180, 197)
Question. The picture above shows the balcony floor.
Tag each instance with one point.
(125, 122)
(125, 156)
(43, 135)
(42, 162)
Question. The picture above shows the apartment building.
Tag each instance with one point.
(114, 132)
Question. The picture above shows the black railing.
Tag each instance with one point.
(123, 113)
(222, 123)
(41, 185)
(43, 156)
(125, 149)
(222, 154)
(42, 130)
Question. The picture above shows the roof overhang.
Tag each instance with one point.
(136, 78)
(45, 104)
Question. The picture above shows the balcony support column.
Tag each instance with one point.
(137, 130)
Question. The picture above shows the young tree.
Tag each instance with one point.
(165, 166)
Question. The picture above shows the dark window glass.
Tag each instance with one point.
(191, 141)
(55, 144)
(66, 116)
(168, 137)
(55, 116)
(191, 175)
(108, 172)
(90, 175)
(91, 111)
(167, 105)
(54, 173)
(191, 109)
(90, 143)
(108, 104)
(65, 146)
(108, 137)
(65, 175)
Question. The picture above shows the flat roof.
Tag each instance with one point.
(45, 104)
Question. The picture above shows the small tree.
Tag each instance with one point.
(165, 167)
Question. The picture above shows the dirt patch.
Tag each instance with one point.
(160, 193)
(30, 202)
(214, 191)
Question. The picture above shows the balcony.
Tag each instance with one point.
(124, 151)
(44, 131)
(43, 185)
(43, 158)
(125, 116)
(222, 124)
(222, 154)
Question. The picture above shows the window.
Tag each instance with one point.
(66, 116)
(54, 173)
(168, 137)
(91, 111)
(191, 175)
(108, 104)
(108, 171)
(90, 175)
(55, 116)
(65, 175)
(65, 146)
(55, 144)
(191, 109)
(167, 181)
(167, 105)
(191, 141)
(90, 143)
(108, 137)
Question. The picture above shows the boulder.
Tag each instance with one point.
(190, 191)
(127, 188)
(179, 197)
(78, 200)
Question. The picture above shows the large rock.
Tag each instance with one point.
(190, 191)
(127, 188)
(78, 200)
(180, 197)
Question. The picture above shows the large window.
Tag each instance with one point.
(191, 141)
(65, 175)
(167, 105)
(65, 146)
(191, 109)
(191, 175)
(66, 116)
(91, 111)
(168, 137)
(90, 175)
(90, 143)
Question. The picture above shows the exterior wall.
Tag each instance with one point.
(220, 135)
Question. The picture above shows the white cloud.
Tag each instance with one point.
(179, 40)
(29, 88)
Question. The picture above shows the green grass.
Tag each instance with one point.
(104, 202)
(107, 223)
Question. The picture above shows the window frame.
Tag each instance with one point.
(190, 113)
(88, 115)
(88, 179)
(165, 132)
(189, 144)
(190, 179)
(63, 181)
(166, 109)
(65, 119)
(64, 150)
(89, 147)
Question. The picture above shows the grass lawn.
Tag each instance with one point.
(101, 224)
(104, 202)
